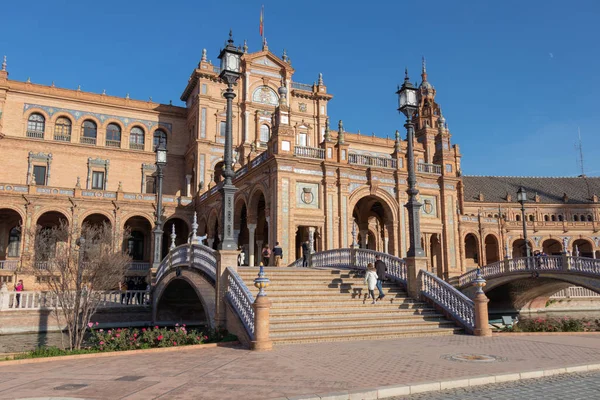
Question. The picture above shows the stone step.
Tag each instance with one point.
(347, 307)
(364, 336)
(349, 330)
(277, 324)
(307, 292)
(356, 312)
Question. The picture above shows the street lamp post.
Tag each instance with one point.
(161, 162)
(230, 58)
(522, 198)
(407, 104)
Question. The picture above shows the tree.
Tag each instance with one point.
(77, 270)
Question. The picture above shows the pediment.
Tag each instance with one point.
(268, 59)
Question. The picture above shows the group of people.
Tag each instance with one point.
(374, 278)
(133, 283)
(277, 252)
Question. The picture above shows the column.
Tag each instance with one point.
(251, 244)
(364, 234)
(386, 241)
(311, 238)
(188, 185)
(259, 244)
(236, 237)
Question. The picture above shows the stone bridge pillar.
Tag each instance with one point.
(482, 325)
(225, 258)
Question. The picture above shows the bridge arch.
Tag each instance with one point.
(184, 295)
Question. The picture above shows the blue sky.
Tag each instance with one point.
(515, 79)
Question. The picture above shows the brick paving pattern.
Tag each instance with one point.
(291, 370)
(560, 387)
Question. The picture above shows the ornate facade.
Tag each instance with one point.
(85, 157)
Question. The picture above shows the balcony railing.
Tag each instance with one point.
(87, 140)
(9, 265)
(309, 152)
(62, 138)
(371, 161)
(139, 266)
(136, 146)
(113, 143)
(429, 168)
(302, 86)
(35, 134)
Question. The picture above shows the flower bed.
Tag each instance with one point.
(122, 339)
(555, 325)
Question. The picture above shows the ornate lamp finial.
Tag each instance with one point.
(4, 64)
(261, 282)
(230, 40)
(28, 79)
(284, 57)
(203, 59)
(245, 48)
(195, 228)
(320, 83)
(173, 237)
(327, 135)
(78, 184)
(79, 88)
(340, 132)
(127, 96)
(479, 282)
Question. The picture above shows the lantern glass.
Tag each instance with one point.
(521, 194)
(161, 154)
(230, 62)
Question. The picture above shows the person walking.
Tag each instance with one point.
(19, 288)
(305, 253)
(371, 281)
(278, 254)
(266, 255)
(381, 269)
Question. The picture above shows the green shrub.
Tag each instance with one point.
(565, 324)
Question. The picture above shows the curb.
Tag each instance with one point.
(118, 353)
(383, 392)
(500, 334)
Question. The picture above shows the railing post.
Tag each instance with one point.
(506, 265)
(4, 297)
(482, 326)
(225, 258)
(565, 261)
(414, 265)
(262, 308)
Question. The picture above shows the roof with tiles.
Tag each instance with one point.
(551, 190)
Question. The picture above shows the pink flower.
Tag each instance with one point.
(143, 329)
(118, 335)
(97, 323)
(183, 325)
(176, 324)
(90, 324)
(101, 343)
(156, 327)
(109, 332)
(205, 337)
(135, 335)
(174, 343)
(101, 330)
(160, 337)
(197, 337)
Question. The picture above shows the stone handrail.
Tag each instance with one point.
(450, 299)
(9, 265)
(241, 299)
(309, 152)
(429, 168)
(583, 264)
(355, 259)
(302, 86)
(194, 255)
(139, 266)
(39, 300)
(259, 159)
(372, 161)
(574, 292)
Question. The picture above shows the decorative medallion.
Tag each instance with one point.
(265, 95)
(302, 107)
(469, 357)
(307, 195)
(428, 207)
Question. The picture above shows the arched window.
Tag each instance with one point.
(265, 133)
(135, 246)
(14, 242)
(553, 218)
(518, 217)
(590, 218)
(113, 135)
(582, 218)
(36, 124)
(136, 138)
(159, 136)
(62, 129)
(561, 218)
(576, 218)
(532, 218)
(90, 130)
(150, 188)
(546, 218)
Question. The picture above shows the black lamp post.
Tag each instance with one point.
(407, 104)
(161, 162)
(230, 58)
(522, 198)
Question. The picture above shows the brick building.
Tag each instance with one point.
(85, 157)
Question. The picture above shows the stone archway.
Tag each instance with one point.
(435, 255)
(519, 249)
(139, 242)
(375, 220)
(96, 220)
(185, 286)
(583, 247)
(552, 247)
(492, 250)
(472, 256)
(11, 234)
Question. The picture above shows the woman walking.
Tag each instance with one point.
(371, 280)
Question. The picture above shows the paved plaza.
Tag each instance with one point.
(306, 370)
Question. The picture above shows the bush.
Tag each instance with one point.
(555, 325)
(146, 338)
(52, 351)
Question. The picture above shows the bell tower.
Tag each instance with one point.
(427, 115)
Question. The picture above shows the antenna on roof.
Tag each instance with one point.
(580, 161)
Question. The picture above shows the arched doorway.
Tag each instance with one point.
(96, 220)
(519, 249)
(435, 254)
(138, 243)
(180, 304)
(10, 234)
(241, 229)
(373, 218)
(181, 232)
(471, 251)
(262, 229)
(583, 247)
(46, 221)
(492, 250)
(552, 247)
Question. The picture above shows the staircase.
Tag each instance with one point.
(321, 305)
